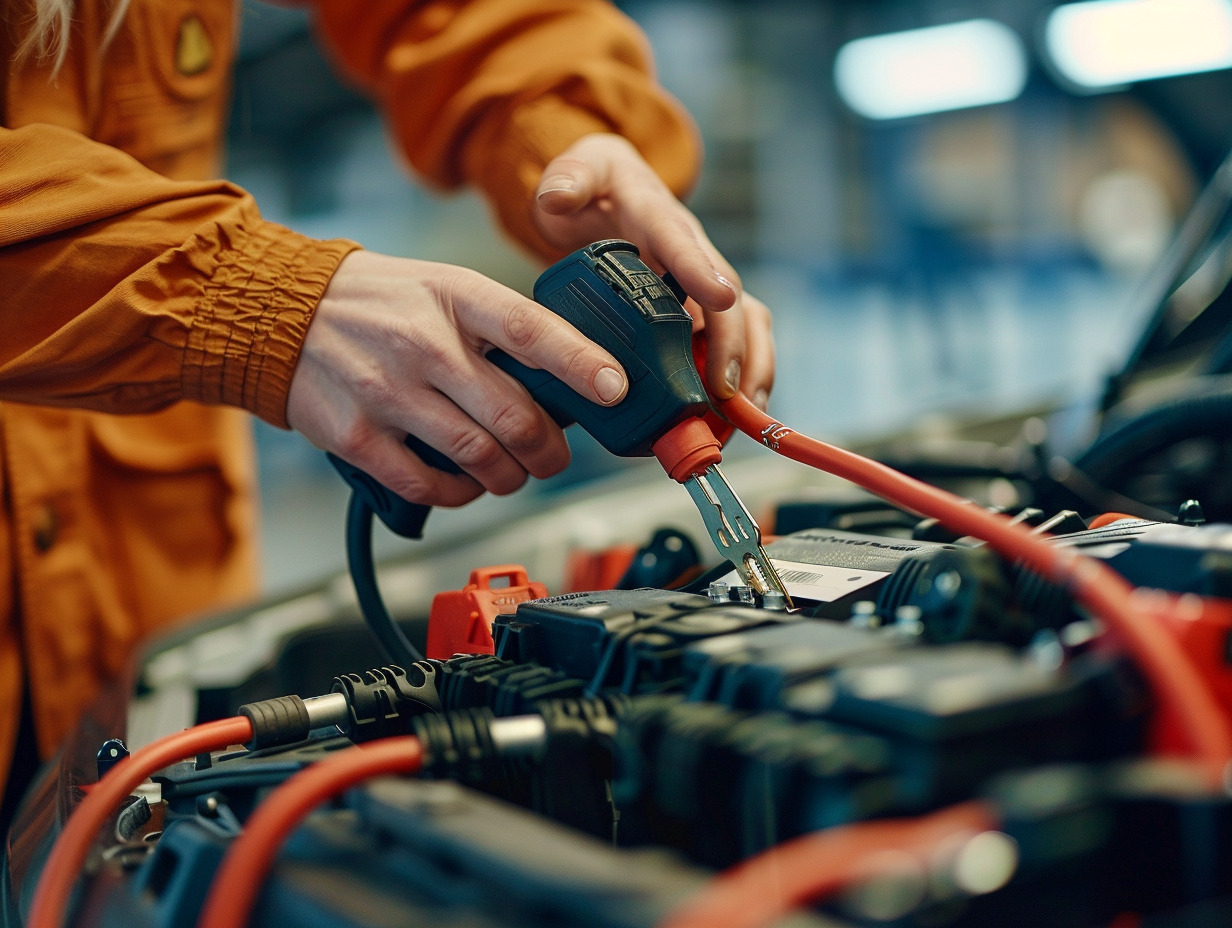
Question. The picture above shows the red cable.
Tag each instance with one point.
(764, 888)
(68, 856)
(1107, 594)
(237, 883)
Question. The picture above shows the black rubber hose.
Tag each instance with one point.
(363, 575)
(1206, 414)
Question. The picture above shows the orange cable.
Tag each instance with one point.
(1170, 672)
(237, 883)
(71, 849)
(764, 888)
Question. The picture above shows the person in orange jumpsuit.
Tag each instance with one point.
(131, 283)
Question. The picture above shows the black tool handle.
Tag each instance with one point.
(613, 298)
(400, 516)
(609, 295)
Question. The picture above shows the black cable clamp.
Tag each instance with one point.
(383, 701)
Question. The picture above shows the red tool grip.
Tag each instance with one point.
(688, 449)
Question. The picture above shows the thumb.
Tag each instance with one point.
(568, 185)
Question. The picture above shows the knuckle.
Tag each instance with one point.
(475, 450)
(430, 348)
(354, 440)
(375, 391)
(460, 284)
(568, 164)
(522, 325)
(412, 486)
(465, 293)
(579, 366)
(517, 428)
(434, 356)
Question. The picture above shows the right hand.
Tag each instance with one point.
(601, 187)
(397, 347)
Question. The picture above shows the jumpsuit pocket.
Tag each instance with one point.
(175, 508)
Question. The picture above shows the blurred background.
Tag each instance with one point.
(950, 205)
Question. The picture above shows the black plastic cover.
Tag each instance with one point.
(629, 640)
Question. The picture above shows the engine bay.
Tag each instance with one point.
(671, 733)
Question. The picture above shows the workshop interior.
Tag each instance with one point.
(943, 639)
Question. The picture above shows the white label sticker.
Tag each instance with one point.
(819, 581)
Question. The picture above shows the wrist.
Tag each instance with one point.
(252, 317)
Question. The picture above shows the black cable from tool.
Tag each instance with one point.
(363, 574)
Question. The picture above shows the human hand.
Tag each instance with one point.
(397, 346)
(601, 187)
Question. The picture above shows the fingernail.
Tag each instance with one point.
(724, 281)
(732, 374)
(560, 184)
(609, 385)
(761, 399)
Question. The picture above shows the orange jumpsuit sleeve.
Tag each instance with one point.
(122, 291)
(487, 92)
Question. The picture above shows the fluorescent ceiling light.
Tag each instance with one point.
(949, 67)
(1110, 43)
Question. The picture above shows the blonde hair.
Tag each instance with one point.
(47, 38)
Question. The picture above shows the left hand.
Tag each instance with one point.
(601, 187)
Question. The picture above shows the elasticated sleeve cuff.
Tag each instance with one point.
(253, 315)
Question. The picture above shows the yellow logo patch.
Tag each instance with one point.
(193, 50)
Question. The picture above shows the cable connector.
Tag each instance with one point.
(283, 720)
(288, 719)
(384, 701)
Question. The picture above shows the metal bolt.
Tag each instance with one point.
(1190, 513)
(773, 600)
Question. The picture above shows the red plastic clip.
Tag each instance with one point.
(461, 620)
(1202, 627)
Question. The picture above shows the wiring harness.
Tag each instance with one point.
(558, 720)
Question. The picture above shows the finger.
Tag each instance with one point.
(570, 231)
(508, 420)
(384, 456)
(445, 423)
(757, 379)
(622, 194)
(676, 242)
(568, 184)
(648, 214)
(725, 351)
(501, 318)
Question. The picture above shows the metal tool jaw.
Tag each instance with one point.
(734, 531)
